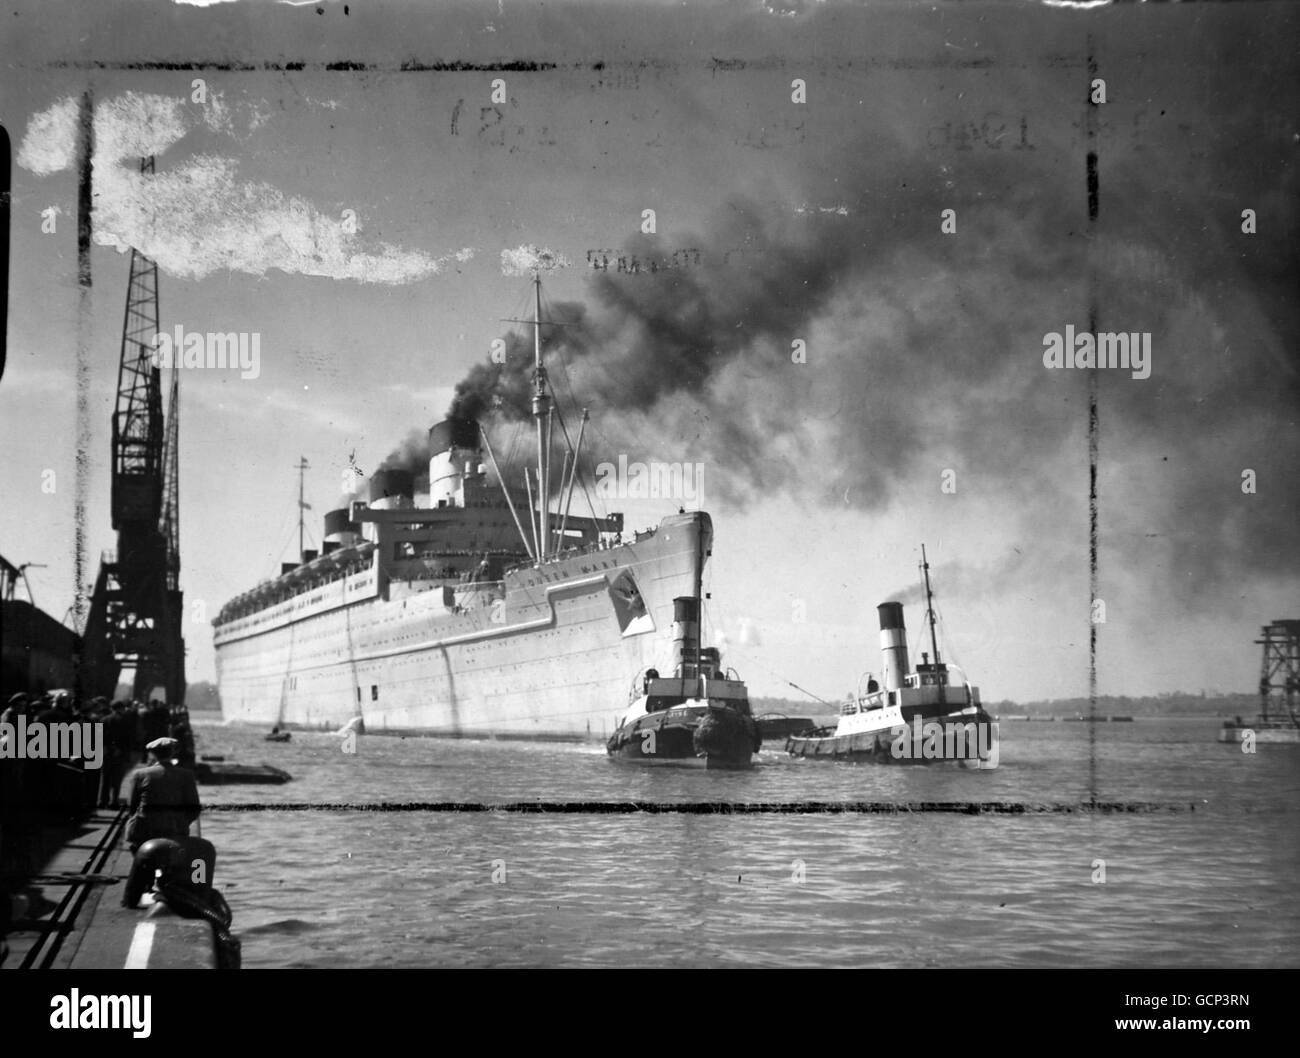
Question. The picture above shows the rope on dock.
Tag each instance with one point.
(189, 904)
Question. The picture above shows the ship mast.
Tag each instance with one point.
(929, 607)
(542, 415)
(699, 601)
(302, 468)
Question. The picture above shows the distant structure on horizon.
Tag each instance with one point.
(1279, 687)
(1279, 680)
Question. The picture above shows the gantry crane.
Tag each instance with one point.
(1279, 679)
(136, 609)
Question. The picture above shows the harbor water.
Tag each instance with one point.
(1193, 865)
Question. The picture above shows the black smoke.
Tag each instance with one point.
(924, 350)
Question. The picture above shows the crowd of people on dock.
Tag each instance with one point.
(38, 793)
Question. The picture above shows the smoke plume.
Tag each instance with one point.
(841, 355)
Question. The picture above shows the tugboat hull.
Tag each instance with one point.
(700, 736)
(969, 740)
(823, 742)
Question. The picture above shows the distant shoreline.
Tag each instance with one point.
(1170, 706)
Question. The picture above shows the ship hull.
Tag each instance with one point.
(37, 653)
(703, 736)
(543, 662)
(919, 735)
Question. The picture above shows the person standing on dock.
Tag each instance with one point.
(119, 737)
(20, 829)
(164, 797)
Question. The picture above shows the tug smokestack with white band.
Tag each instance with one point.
(893, 644)
(686, 636)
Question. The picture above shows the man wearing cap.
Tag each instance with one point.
(164, 797)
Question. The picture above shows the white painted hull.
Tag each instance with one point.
(552, 663)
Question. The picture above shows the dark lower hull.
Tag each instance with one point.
(722, 738)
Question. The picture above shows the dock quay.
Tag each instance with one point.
(69, 916)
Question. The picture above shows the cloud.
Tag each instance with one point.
(197, 216)
(50, 143)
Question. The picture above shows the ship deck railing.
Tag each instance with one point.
(588, 549)
(267, 594)
(879, 699)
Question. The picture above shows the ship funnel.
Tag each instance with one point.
(455, 447)
(893, 644)
(391, 489)
(340, 530)
(686, 635)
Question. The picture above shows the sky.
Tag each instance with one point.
(852, 378)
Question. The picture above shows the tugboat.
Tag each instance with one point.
(698, 717)
(917, 717)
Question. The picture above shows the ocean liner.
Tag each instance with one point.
(480, 613)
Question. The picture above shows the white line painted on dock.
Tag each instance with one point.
(141, 945)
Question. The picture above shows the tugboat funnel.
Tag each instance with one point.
(893, 644)
(686, 636)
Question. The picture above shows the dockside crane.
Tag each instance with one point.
(1279, 678)
(137, 607)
